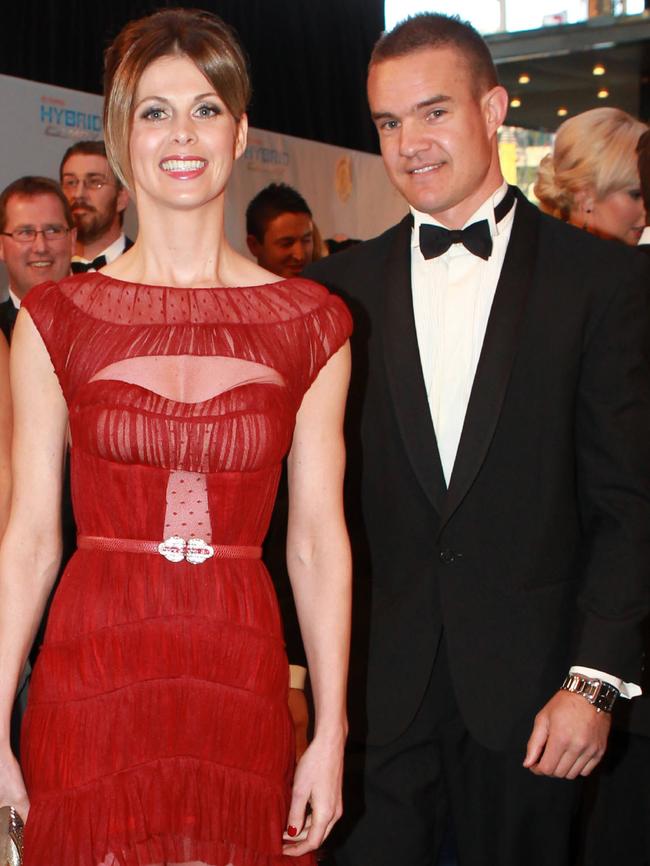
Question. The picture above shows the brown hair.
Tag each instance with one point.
(269, 203)
(90, 147)
(432, 30)
(31, 186)
(201, 36)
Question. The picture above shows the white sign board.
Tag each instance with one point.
(347, 191)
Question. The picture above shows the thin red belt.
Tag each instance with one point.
(175, 549)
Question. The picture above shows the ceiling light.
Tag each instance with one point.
(562, 112)
(515, 103)
(598, 69)
(524, 78)
(602, 94)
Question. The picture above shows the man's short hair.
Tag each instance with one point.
(88, 148)
(269, 203)
(433, 30)
(31, 186)
(643, 155)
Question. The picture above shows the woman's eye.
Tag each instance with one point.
(153, 113)
(207, 110)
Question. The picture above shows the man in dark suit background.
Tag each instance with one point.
(498, 485)
(36, 240)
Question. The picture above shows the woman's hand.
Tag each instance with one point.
(317, 784)
(12, 787)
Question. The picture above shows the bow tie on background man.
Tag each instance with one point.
(78, 267)
(436, 240)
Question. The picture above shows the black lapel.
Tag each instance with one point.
(497, 354)
(404, 370)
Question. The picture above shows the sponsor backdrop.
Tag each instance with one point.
(347, 191)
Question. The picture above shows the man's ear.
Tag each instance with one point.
(2, 249)
(254, 246)
(495, 107)
(241, 136)
(122, 199)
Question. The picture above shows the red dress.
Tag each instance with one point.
(157, 729)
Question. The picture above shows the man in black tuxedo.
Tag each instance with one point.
(498, 489)
(98, 201)
(36, 240)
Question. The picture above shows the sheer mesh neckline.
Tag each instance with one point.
(132, 284)
(105, 299)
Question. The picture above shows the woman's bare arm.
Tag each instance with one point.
(318, 557)
(31, 547)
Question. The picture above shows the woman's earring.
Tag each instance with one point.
(585, 225)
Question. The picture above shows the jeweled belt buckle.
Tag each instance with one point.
(195, 551)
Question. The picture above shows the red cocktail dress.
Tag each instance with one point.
(157, 729)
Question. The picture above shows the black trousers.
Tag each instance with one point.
(615, 812)
(399, 797)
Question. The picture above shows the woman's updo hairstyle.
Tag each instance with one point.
(593, 152)
(201, 36)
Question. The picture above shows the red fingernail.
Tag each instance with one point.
(291, 830)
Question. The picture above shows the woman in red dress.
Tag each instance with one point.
(157, 729)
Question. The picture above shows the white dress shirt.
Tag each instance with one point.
(452, 299)
(112, 252)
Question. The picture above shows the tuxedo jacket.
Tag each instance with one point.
(8, 315)
(537, 556)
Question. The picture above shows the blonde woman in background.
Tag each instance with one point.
(591, 177)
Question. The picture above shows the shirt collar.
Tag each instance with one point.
(110, 253)
(15, 300)
(484, 212)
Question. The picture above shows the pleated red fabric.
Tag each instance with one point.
(157, 730)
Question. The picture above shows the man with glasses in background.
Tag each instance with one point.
(36, 241)
(98, 201)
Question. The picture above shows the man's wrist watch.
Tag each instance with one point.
(601, 695)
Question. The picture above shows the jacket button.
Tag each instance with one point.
(447, 556)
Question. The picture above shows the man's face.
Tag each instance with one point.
(42, 259)
(288, 244)
(437, 135)
(95, 211)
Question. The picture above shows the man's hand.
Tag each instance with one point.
(300, 716)
(568, 739)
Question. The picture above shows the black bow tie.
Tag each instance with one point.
(82, 267)
(436, 240)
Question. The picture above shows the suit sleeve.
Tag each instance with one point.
(613, 480)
